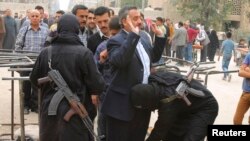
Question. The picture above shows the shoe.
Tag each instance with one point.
(224, 78)
(26, 111)
(229, 78)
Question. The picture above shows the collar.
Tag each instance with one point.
(30, 28)
(101, 34)
(125, 31)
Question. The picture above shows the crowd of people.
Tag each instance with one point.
(105, 58)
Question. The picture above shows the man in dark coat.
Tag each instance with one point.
(102, 15)
(11, 31)
(176, 120)
(2, 31)
(77, 67)
(130, 57)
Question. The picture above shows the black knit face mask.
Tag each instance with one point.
(144, 96)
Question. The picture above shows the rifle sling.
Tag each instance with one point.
(169, 99)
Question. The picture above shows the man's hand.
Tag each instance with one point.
(103, 56)
(132, 27)
(247, 69)
(95, 100)
(156, 30)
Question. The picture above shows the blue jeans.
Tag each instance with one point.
(188, 52)
(225, 63)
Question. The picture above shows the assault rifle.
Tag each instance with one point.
(183, 88)
(64, 91)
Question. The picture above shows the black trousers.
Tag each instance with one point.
(30, 93)
(134, 130)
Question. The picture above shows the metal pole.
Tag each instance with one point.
(21, 95)
(12, 106)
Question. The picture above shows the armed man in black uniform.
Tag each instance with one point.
(176, 121)
(76, 65)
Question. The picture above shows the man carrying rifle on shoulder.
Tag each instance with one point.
(72, 72)
(185, 107)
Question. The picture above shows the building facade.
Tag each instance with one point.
(20, 6)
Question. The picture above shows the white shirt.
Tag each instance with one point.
(145, 62)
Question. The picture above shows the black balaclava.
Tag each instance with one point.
(145, 96)
(68, 30)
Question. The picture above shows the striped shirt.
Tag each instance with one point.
(33, 40)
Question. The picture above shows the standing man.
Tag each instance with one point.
(42, 22)
(180, 39)
(101, 58)
(227, 49)
(102, 18)
(192, 34)
(53, 27)
(81, 12)
(18, 22)
(26, 17)
(92, 27)
(11, 31)
(159, 22)
(130, 57)
(2, 31)
(76, 65)
(244, 102)
(31, 38)
(202, 37)
(91, 101)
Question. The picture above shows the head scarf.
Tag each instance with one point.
(68, 30)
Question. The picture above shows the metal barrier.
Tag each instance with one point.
(21, 95)
(216, 72)
(17, 61)
(170, 68)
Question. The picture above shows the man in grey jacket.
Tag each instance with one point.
(180, 37)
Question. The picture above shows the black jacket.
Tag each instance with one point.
(94, 41)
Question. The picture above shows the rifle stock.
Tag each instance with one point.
(75, 108)
(43, 80)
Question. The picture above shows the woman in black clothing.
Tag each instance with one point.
(213, 45)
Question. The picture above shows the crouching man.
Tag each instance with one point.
(176, 120)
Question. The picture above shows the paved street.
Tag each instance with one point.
(227, 94)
